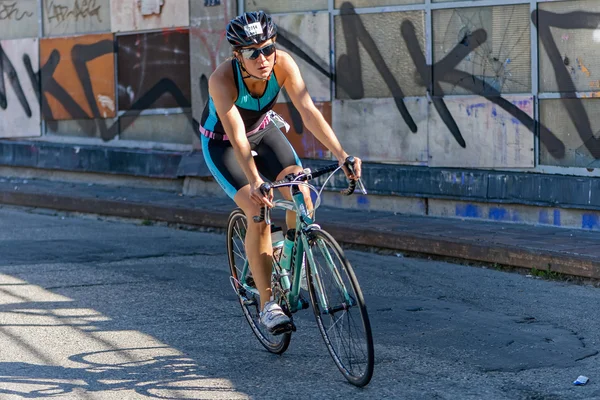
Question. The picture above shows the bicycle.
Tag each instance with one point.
(335, 294)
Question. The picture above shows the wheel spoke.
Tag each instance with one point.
(250, 302)
(339, 309)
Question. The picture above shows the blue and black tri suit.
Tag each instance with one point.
(274, 151)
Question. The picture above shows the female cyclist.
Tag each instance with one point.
(241, 142)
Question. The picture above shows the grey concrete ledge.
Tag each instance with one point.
(572, 252)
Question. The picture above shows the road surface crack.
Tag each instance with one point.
(91, 285)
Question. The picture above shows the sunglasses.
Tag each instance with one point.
(252, 54)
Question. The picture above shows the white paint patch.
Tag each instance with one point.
(596, 35)
(130, 93)
(106, 102)
(149, 7)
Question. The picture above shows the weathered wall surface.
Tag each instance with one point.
(431, 85)
(19, 104)
(495, 138)
(311, 56)
(369, 129)
(277, 6)
(148, 14)
(88, 58)
(65, 17)
(19, 19)
(208, 46)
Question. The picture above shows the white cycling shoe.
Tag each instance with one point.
(275, 320)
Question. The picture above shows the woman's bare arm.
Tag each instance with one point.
(311, 116)
(223, 93)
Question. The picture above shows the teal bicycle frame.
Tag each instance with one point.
(291, 287)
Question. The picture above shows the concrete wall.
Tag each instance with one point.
(437, 84)
(65, 17)
(89, 58)
(148, 14)
(19, 19)
(278, 6)
(20, 111)
(208, 47)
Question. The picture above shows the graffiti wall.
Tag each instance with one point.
(19, 94)
(66, 17)
(436, 83)
(19, 19)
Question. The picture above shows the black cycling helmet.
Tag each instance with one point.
(250, 28)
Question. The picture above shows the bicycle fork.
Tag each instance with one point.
(318, 283)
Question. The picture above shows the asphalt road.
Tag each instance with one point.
(105, 309)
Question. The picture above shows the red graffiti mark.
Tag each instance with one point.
(207, 36)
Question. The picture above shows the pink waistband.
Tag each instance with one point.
(213, 135)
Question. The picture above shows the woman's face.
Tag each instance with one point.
(259, 59)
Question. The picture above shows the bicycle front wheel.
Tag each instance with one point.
(237, 227)
(339, 308)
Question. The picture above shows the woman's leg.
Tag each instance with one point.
(290, 216)
(222, 163)
(258, 245)
(220, 159)
(277, 158)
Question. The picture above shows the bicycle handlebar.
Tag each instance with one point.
(304, 176)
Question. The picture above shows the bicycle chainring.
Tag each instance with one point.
(281, 297)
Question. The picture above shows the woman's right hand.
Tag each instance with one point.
(258, 197)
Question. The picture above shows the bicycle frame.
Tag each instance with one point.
(335, 294)
(304, 223)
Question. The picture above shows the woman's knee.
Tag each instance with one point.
(292, 169)
(250, 208)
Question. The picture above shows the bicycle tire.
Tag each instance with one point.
(357, 369)
(250, 303)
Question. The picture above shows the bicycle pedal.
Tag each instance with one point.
(285, 328)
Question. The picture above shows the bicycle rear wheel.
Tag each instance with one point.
(249, 300)
(339, 308)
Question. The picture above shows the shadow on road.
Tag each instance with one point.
(164, 377)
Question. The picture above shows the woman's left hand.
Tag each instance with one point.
(357, 169)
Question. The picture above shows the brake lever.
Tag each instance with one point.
(265, 211)
(349, 163)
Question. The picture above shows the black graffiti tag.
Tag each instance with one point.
(349, 76)
(7, 69)
(445, 71)
(81, 55)
(544, 20)
(9, 11)
(60, 13)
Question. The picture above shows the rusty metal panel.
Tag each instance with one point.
(278, 6)
(208, 46)
(78, 80)
(566, 119)
(130, 15)
(19, 89)
(372, 57)
(373, 130)
(568, 46)
(64, 17)
(173, 128)
(303, 141)
(306, 38)
(376, 3)
(154, 70)
(485, 50)
(494, 137)
(19, 19)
